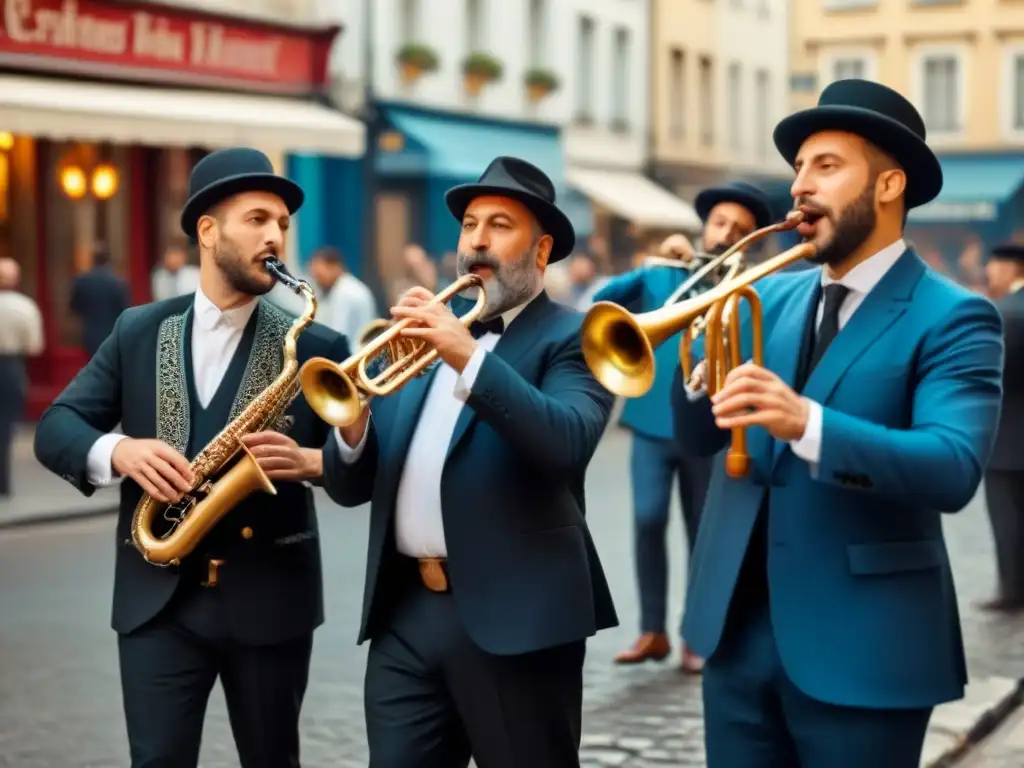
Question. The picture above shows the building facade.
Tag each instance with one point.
(719, 85)
(104, 108)
(962, 65)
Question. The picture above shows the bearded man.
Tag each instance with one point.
(729, 212)
(482, 581)
(243, 606)
(822, 596)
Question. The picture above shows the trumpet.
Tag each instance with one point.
(618, 346)
(371, 330)
(338, 392)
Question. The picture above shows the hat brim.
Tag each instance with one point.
(551, 218)
(924, 173)
(208, 197)
(707, 199)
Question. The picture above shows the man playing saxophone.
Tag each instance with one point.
(482, 581)
(243, 605)
(822, 596)
(729, 212)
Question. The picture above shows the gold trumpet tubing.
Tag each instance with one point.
(737, 458)
(411, 364)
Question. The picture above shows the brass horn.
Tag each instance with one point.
(338, 392)
(372, 330)
(618, 346)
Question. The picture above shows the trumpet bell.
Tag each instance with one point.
(617, 350)
(330, 392)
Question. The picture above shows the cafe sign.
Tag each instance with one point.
(157, 43)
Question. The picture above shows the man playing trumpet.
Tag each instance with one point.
(729, 212)
(482, 581)
(822, 596)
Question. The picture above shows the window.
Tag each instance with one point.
(620, 79)
(677, 96)
(941, 92)
(408, 20)
(585, 71)
(1017, 75)
(474, 25)
(735, 107)
(536, 44)
(763, 97)
(847, 67)
(707, 102)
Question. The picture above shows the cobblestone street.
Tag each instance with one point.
(59, 692)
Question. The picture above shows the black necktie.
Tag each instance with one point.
(834, 296)
(479, 327)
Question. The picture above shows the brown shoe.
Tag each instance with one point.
(691, 663)
(651, 646)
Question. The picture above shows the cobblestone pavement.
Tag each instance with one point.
(1003, 749)
(59, 693)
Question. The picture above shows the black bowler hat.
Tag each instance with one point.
(739, 192)
(228, 172)
(1008, 252)
(522, 181)
(878, 114)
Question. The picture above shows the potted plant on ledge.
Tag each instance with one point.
(539, 83)
(414, 59)
(479, 69)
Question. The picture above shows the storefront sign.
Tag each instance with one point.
(161, 44)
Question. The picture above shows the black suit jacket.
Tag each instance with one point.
(524, 570)
(1008, 452)
(98, 297)
(271, 579)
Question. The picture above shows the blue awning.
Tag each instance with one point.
(973, 188)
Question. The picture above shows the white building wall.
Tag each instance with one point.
(599, 144)
(753, 34)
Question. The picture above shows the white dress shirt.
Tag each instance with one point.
(859, 280)
(215, 339)
(350, 307)
(419, 526)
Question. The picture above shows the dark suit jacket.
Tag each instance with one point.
(271, 581)
(525, 574)
(98, 297)
(1008, 453)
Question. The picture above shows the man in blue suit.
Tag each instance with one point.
(482, 580)
(821, 590)
(729, 212)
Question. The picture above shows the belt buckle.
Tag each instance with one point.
(432, 574)
(212, 569)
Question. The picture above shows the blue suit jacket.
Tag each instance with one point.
(644, 290)
(524, 569)
(863, 606)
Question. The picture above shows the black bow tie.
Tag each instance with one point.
(479, 327)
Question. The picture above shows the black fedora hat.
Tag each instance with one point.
(522, 181)
(1008, 252)
(739, 192)
(878, 114)
(228, 172)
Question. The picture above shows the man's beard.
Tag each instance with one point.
(717, 249)
(510, 284)
(236, 269)
(853, 226)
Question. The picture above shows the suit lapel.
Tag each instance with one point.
(519, 338)
(173, 414)
(883, 305)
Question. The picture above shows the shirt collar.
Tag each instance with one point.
(209, 316)
(1016, 285)
(511, 314)
(869, 272)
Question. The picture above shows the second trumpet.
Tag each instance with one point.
(338, 392)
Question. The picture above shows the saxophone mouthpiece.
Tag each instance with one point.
(280, 272)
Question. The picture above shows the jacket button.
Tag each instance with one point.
(247, 532)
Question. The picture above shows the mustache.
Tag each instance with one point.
(467, 261)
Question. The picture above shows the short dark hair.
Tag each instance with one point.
(330, 255)
(100, 254)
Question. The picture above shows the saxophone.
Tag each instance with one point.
(209, 501)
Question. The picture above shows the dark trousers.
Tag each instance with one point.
(168, 669)
(654, 464)
(13, 389)
(433, 698)
(754, 717)
(1004, 497)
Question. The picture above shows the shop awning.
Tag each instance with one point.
(89, 111)
(635, 198)
(973, 189)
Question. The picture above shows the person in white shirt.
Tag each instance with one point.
(482, 580)
(821, 594)
(175, 276)
(348, 305)
(244, 604)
